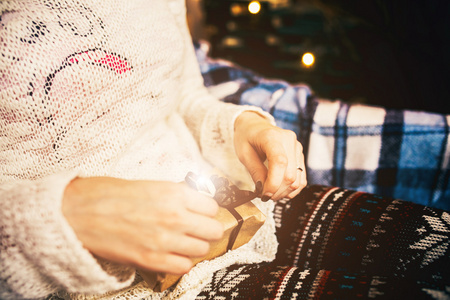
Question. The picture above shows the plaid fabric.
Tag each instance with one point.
(396, 153)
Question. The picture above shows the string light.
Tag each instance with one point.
(308, 59)
(254, 7)
(236, 9)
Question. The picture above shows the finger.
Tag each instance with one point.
(301, 181)
(200, 204)
(202, 227)
(142, 251)
(277, 164)
(254, 165)
(163, 262)
(288, 190)
(190, 223)
(301, 184)
(170, 241)
(292, 178)
(187, 246)
(299, 168)
(291, 173)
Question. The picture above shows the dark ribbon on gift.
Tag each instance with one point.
(241, 198)
(234, 198)
(235, 232)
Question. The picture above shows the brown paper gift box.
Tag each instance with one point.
(251, 220)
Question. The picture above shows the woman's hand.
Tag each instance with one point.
(256, 140)
(150, 225)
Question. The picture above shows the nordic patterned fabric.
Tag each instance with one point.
(399, 153)
(344, 244)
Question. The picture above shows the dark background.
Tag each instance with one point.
(381, 52)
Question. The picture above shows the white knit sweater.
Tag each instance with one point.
(100, 88)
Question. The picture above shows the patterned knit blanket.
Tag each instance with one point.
(342, 244)
(397, 153)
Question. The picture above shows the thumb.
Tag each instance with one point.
(255, 167)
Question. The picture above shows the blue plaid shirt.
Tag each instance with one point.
(397, 153)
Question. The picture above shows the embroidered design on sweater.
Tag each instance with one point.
(84, 28)
(93, 57)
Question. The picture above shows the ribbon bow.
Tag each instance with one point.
(219, 188)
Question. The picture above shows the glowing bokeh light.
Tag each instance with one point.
(254, 7)
(308, 59)
(236, 9)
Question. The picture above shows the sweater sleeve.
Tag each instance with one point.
(40, 253)
(210, 120)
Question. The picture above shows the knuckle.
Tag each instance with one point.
(290, 134)
(271, 132)
(290, 178)
(174, 220)
(161, 239)
(280, 159)
(295, 185)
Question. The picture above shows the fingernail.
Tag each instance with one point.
(265, 198)
(258, 188)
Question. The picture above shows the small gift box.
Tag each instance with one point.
(241, 219)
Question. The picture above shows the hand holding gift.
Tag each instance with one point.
(240, 218)
(152, 225)
(272, 156)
